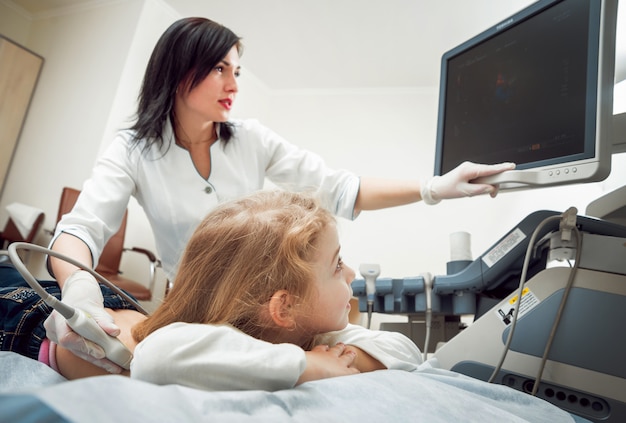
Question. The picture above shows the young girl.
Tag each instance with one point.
(269, 266)
(261, 302)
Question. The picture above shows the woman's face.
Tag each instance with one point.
(329, 309)
(213, 98)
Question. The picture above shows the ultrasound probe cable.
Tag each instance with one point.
(568, 216)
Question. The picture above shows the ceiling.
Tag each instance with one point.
(342, 44)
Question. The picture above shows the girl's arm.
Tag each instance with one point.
(377, 349)
(364, 362)
(220, 357)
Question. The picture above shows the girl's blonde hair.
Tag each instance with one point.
(239, 256)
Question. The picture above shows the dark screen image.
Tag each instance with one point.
(520, 95)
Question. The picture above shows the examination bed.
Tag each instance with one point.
(32, 392)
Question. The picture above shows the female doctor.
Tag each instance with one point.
(183, 156)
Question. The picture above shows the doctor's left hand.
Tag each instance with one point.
(458, 183)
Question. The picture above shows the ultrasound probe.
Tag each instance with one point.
(81, 322)
(370, 272)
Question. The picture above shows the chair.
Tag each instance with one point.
(12, 234)
(111, 257)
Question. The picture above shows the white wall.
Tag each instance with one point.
(391, 133)
(94, 62)
(83, 60)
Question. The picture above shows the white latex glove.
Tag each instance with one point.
(81, 290)
(458, 182)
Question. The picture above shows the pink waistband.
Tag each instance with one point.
(48, 354)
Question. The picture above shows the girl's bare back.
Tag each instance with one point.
(73, 367)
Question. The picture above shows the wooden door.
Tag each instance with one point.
(19, 71)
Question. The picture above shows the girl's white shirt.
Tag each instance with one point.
(220, 357)
(175, 197)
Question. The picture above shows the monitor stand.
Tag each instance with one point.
(619, 133)
(610, 207)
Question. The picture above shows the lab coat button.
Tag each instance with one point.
(208, 190)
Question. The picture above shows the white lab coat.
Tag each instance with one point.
(175, 197)
(220, 357)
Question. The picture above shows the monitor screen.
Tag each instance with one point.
(535, 89)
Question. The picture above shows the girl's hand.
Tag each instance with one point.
(363, 361)
(324, 361)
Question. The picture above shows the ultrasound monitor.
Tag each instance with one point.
(535, 89)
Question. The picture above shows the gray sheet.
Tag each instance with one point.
(426, 395)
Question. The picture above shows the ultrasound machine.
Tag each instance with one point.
(535, 89)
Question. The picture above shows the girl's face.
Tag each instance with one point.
(329, 310)
(213, 98)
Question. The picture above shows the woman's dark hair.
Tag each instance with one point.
(186, 52)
